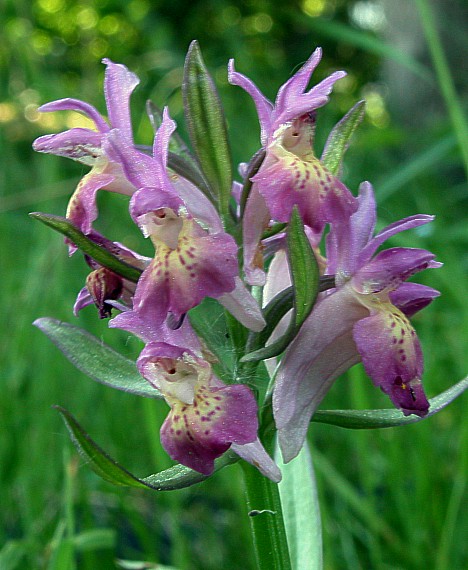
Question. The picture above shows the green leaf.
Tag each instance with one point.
(12, 553)
(207, 127)
(177, 477)
(87, 246)
(95, 359)
(372, 419)
(338, 140)
(305, 286)
(299, 499)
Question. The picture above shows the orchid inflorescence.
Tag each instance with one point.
(288, 253)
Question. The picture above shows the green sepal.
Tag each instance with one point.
(88, 246)
(304, 272)
(338, 140)
(95, 359)
(373, 419)
(207, 127)
(177, 477)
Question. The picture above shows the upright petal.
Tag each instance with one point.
(119, 84)
(292, 101)
(263, 105)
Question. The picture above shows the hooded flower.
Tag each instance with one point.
(291, 174)
(90, 146)
(207, 417)
(194, 257)
(364, 318)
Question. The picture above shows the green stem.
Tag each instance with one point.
(266, 521)
(444, 78)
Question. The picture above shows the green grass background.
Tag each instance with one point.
(391, 499)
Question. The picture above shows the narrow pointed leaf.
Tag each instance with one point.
(372, 419)
(340, 136)
(299, 499)
(88, 246)
(207, 127)
(177, 477)
(305, 286)
(95, 359)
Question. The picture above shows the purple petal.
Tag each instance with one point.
(299, 104)
(197, 203)
(161, 141)
(82, 209)
(79, 106)
(263, 105)
(140, 169)
(243, 307)
(119, 84)
(255, 454)
(151, 199)
(83, 299)
(391, 267)
(255, 221)
(412, 297)
(395, 228)
(298, 82)
(392, 357)
(346, 239)
(82, 145)
(144, 328)
(323, 349)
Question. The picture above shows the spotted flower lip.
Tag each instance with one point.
(207, 417)
(364, 318)
(194, 257)
(90, 146)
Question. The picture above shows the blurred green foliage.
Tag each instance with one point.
(391, 499)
